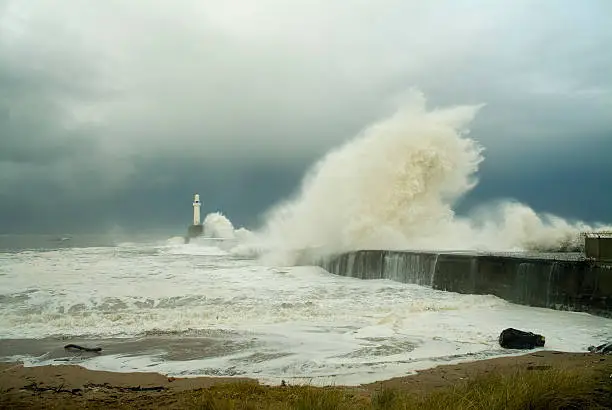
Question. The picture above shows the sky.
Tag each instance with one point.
(114, 113)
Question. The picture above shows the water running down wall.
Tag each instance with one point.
(563, 282)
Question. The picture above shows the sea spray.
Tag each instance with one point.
(394, 187)
(217, 225)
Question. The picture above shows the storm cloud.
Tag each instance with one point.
(109, 105)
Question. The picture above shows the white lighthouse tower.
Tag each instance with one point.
(196, 228)
(196, 209)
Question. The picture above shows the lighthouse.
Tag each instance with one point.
(196, 209)
(196, 228)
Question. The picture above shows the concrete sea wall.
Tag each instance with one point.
(558, 282)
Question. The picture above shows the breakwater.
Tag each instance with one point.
(558, 281)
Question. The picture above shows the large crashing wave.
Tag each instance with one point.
(394, 186)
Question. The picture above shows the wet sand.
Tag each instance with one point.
(68, 386)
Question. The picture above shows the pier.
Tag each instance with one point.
(563, 281)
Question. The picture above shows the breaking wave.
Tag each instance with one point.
(216, 225)
(394, 186)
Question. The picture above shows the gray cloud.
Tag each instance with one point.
(100, 98)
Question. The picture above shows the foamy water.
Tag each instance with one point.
(196, 310)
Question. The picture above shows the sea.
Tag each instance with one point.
(156, 304)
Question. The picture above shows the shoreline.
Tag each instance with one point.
(71, 386)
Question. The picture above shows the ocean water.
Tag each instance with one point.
(198, 309)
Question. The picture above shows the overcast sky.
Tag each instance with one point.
(113, 113)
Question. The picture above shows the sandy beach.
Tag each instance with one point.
(67, 386)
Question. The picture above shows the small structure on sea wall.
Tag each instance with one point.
(196, 229)
(598, 246)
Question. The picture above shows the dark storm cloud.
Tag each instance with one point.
(43, 149)
(571, 181)
(164, 189)
(112, 104)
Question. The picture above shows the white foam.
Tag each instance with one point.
(176, 240)
(216, 225)
(198, 247)
(306, 323)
